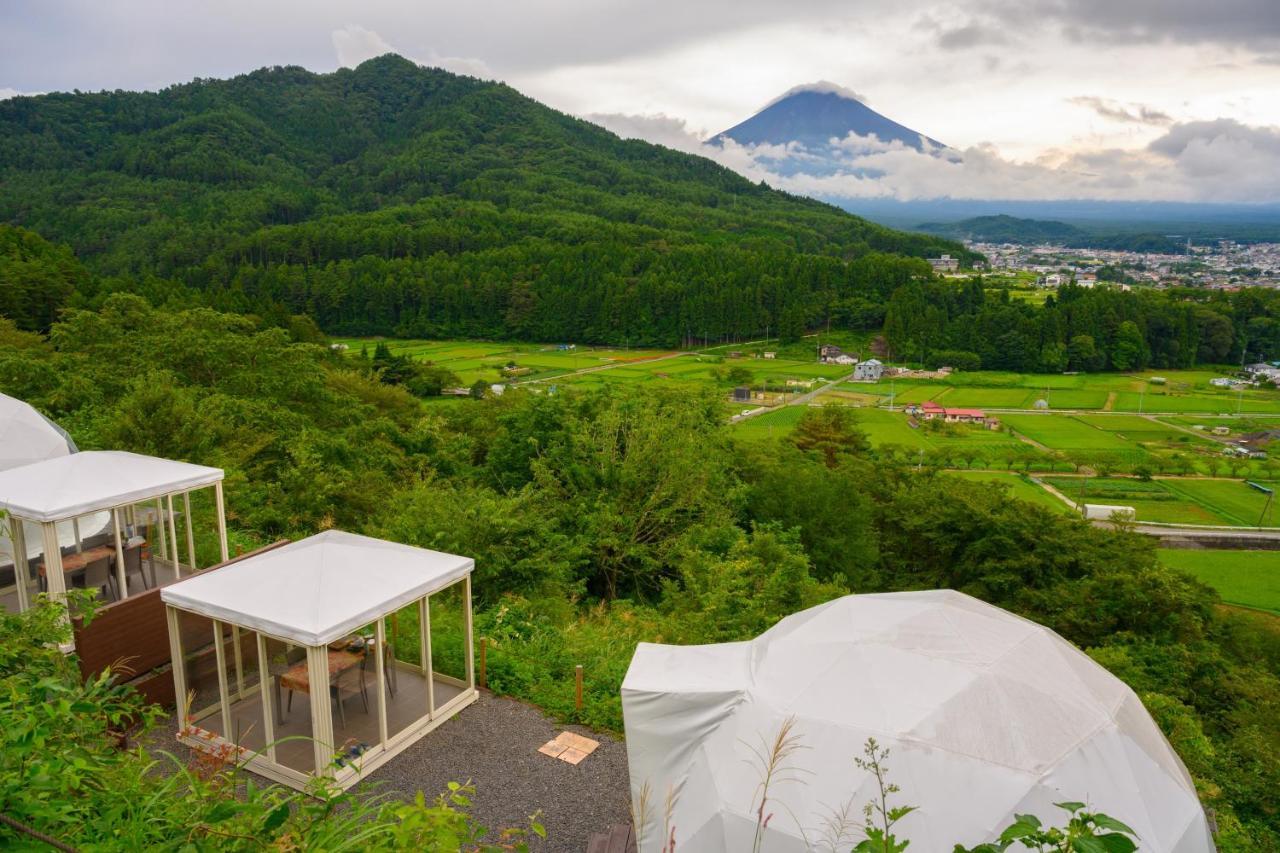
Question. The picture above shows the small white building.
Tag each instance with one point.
(868, 371)
(946, 263)
(1106, 512)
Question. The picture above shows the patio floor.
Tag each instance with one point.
(407, 706)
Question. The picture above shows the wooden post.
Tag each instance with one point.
(321, 712)
(428, 666)
(577, 687)
(173, 538)
(224, 699)
(467, 636)
(121, 578)
(55, 580)
(164, 547)
(222, 520)
(380, 683)
(484, 647)
(178, 665)
(21, 565)
(264, 689)
(191, 539)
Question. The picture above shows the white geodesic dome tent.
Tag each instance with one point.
(985, 715)
(27, 436)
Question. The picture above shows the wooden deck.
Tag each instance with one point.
(293, 724)
(620, 838)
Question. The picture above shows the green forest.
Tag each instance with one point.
(603, 518)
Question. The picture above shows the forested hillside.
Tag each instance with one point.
(399, 199)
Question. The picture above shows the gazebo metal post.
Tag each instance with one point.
(164, 550)
(178, 664)
(191, 537)
(220, 655)
(122, 580)
(55, 581)
(236, 650)
(222, 520)
(21, 566)
(380, 656)
(428, 668)
(466, 632)
(268, 708)
(173, 537)
(75, 532)
(321, 713)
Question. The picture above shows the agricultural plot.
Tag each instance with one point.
(1232, 499)
(1068, 398)
(1255, 402)
(1147, 431)
(779, 422)
(1019, 487)
(1153, 500)
(985, 398)
(1244, 578)
(1060, 432)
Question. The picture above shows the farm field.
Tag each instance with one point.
(1067, 433)
(1233, 499)
(1019, 488)
(1166, 500)
(1244, 578)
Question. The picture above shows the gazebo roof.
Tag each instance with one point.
(27, 436)
(93, 480)
(318, 589)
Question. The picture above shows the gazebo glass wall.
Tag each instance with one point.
(339, 708)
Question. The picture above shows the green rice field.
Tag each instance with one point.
(1173, 500)
(1019, 487)
(1244, 578)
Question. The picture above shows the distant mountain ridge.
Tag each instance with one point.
(1002, 228)
(814, 115)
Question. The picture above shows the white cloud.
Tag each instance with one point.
(355, 44)
(1219, 161)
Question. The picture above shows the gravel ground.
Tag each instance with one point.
(494, 743)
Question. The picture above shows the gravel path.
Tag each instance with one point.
(494, 743)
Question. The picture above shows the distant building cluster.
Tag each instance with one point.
(946, 263)
(1225, 265)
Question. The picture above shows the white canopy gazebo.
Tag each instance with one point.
(986, 715)
(47, 501)
(294, 633)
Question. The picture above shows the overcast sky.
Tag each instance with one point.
(1020, 86)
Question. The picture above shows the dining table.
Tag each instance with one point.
(297, 677)
(76, 562)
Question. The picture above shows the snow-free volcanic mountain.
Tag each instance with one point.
(814, 114)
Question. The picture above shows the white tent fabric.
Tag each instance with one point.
(985, 715)
(317, 590)
(93, 480)
(27, 436)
